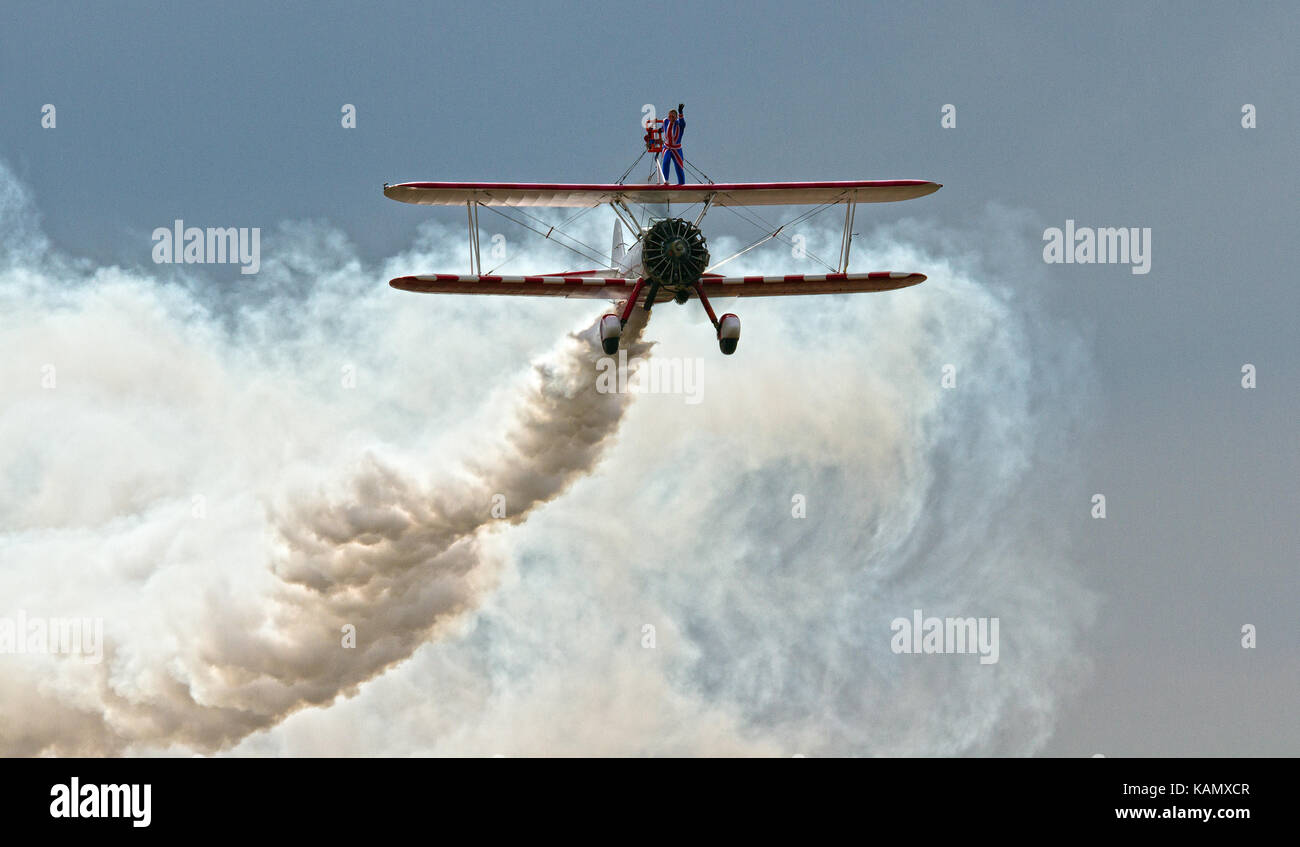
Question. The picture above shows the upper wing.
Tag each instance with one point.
(722, 193)
(775, 286)
(588, 286)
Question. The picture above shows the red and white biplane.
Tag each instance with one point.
(668, 259)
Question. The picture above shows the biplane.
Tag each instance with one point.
(669, 257)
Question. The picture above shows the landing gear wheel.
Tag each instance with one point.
(611, 330)
(728, 333)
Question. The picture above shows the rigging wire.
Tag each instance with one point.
(592, 256)
(775, 232)
(554, 228)
(698, 172)
(630, 167)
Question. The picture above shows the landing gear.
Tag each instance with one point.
(651, 295)
(611, 330)
(611, 326)
(728, 327)
(728, 333)
(674, 257)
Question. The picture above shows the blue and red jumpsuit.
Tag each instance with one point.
(672, 155)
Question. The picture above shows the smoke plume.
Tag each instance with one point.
(239, 477)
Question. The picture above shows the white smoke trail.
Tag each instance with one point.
(384, 554)
(772, 633)
(369, 506)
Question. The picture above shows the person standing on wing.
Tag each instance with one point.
(674, 126)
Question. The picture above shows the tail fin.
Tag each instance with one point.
(618, 250)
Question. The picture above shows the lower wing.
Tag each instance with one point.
(614, 288)
(795, 284)
(589, 287)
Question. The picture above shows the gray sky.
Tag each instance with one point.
(1113, 114)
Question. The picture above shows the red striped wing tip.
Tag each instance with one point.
(832, 277)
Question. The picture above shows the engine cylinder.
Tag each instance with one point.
(674, 253)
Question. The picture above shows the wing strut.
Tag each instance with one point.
(704, 211)
(846, 241)
(475, 263)
(630, 222)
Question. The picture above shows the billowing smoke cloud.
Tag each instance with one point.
(385, 555)
(231, 475)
